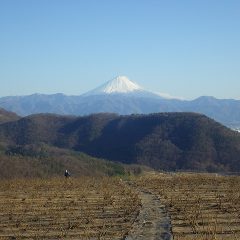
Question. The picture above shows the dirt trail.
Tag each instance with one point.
(153, 222)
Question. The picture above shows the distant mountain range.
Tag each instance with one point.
(122, 96)
(163, 141)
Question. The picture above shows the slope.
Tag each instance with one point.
(6, 116)
(168, 141)
(41, 160)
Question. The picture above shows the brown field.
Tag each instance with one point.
(201, 206)
(81, 208)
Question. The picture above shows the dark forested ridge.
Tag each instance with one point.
(168, 141)
(6, 116)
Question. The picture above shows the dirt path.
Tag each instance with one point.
(153, 222)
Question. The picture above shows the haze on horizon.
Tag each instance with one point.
(182, 48)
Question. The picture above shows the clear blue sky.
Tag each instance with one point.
(185, 48)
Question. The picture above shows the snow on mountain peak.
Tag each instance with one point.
(120, 84)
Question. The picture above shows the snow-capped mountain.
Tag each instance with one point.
(123, 96)
(123, 85)
(120, 84)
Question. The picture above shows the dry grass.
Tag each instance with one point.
(83, 208)
(201, 206)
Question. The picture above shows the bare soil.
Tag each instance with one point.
(153, 222)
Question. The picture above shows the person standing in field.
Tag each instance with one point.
(67, 174)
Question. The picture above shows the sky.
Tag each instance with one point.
(186, 48)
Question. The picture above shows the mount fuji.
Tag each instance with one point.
(121, 85)
(123, 96)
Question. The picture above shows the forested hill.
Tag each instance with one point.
(168, 141)
(6, 116)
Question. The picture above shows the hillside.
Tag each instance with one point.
(6, 116)
(168, 141)
(41, 160)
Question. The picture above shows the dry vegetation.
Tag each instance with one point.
(201, 206)
(81, 208)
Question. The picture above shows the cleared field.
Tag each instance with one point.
(82, 208)
(201, 206)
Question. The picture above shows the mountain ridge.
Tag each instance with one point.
(122, 98)
(163, 141)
